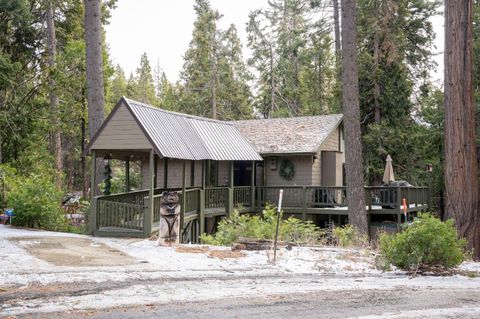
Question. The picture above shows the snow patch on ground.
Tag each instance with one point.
(328, 268)
(156, 262)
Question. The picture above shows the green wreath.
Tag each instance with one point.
(287, 170)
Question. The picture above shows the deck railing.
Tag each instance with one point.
(123, 210)
(216, 197)
(127, 210)
(386, 197)
(242, 196)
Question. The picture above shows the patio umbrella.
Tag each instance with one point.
(388, 174)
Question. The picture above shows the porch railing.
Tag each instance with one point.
(242, 196)
(128, 210)
(216, 197)
(123, 210)
(377, 197)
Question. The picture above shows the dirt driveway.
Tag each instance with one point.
(68, 251)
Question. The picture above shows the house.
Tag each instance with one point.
(218, 166)
(312, 146)
(177, 151)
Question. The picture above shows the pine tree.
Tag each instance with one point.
(461, 167)
(395, 53)
(168, 95)
(262, 42)
(293, 58)
(199, 74)
(357, 216)
(234, 96)
(145, 87)
(118, 88)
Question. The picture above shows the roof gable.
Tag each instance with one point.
(183, 136)
(122, 132)
(292, 135)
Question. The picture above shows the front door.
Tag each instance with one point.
(242, 171)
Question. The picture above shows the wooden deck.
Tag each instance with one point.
(123, 215)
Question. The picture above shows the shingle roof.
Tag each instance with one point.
(303, 134)
(183, 136)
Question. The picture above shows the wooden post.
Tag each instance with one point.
(304, 203)
(399, 207)
(155, 161)
(148, 214)
(230, 190)
(127, 174)
(165, 172)
(252, 185)
(202, 200)
(93, 201)
(184, 201)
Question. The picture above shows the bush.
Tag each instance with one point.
(262, 227)
(427, 244)
(348, 235)
(35, 201)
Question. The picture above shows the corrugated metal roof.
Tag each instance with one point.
(184, 136)
(304, 134)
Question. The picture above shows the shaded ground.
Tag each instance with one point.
(68, 251)
(398, 303)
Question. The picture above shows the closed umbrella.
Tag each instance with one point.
(388, 174)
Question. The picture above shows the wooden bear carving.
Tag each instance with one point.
(169, 219)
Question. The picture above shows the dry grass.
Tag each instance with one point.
(223, 254)
(192, 249)
(350, 256)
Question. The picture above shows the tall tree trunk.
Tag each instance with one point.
(95, 88)
(214, 81)
(376, 85)
(336, 26)
(461, 170)
(82, 162)
(357, 216)
(272, 83)
(52, 56)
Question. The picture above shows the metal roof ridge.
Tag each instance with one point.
(195, 117)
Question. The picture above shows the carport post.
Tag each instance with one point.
(127, 174)
(93, 201)
(252, 185)
(148, 215)
(202, 199)
(184, 201)
(230, 190)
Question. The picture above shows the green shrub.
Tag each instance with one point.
(36, 202)
(348, 235)
(262, 227)
(427, 244)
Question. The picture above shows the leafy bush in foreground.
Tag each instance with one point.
(35, 201)
(348, 236)
(427, 244)
(262, 227)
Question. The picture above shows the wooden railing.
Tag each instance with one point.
(216, 197)
(135, 197)
(120, 215)
(242, 196)
(384, 197)
(192, 202)
(127, 210)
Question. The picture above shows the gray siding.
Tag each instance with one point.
(175, 173)
(121, 133)
(303, 171)
(308, 168)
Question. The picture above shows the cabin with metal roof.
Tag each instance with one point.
(217, 166)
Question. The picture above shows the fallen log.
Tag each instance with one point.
(245, 243)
